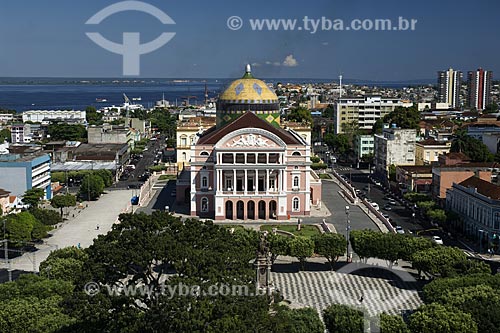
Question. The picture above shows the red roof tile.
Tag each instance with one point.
(483, 187)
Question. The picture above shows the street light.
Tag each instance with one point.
(348, 229)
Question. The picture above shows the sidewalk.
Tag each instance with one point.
(82, 229)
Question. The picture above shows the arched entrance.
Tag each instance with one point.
(312, 194)
(187, 195)
(262, 210)
(251, 210)
(229, 210)
(240, 210)
(272, 210)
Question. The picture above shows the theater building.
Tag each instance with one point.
(248, 167)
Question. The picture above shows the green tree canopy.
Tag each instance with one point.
(92, 187)
(392, 324)
(46, 216)
(33, 196)
(301, 248)
(300, 115)
(439, 260)
(331, 246)
(5, 135)
(339, 142)
(472, 147)
(64, 264)
(342, 318)
(93, 117)
(62, 201)
(68, 132)
(438, 318)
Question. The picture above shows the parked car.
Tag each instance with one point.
(393, 202)
(387, 207)
(438, 240)
(375, 205)
(399, 229)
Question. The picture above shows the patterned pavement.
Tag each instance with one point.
(389, 293)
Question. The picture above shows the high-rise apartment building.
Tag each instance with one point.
(449, 83)
(479, 83)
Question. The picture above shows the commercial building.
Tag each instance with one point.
(479, 88)
(20, 133)
(414, 178)
(188, 132)
(395, 146)
(477, 202)
(109, 134)
(47, 116)
(364, 111)
(449, 83)
(248, 167)
(428, 151)
(363, 145)
(20, 173)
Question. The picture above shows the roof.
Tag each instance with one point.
(248, 90)
(483, 187)
(457, 156)
(4, 193)
(433, 142)
(247, 120)
(416, 168)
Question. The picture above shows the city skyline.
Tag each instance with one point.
(51, 41)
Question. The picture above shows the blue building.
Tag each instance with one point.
(20, 173)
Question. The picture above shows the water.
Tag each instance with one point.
(23, 94)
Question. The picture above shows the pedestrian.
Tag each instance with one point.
(78, 246)
(97, 227)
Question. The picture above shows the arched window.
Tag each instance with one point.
(204, 182)
(296, 181)
(184, 156)
(204, 153)
(296, 153)
(295, 204)
(183, 141)
(204, 205)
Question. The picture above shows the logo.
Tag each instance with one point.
(131, 49)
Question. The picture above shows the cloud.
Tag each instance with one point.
(325, 43)
(276, 63)
(256, 64)
(290, 61)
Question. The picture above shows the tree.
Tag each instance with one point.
(439, 260)
(32, 285)
(339, 142)
(61, 201)
(405, 118)
(300, 115)
(331, 246)
(295, 321)
(437, 215)
(278, 245)
(491, 108)
(438, 318)
(5, 135)
(106, 176)
(24, 227)
(472, 147)
(392, 324)
(93, 117)
(32, 197)
(342, 318)
(64, 131)
(64, 264)
(92, 187)
(329, 111)
(301, 248)
(482, 302)
(378, 127)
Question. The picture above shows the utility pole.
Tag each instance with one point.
(348, 229)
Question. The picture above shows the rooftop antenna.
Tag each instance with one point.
(340, 86)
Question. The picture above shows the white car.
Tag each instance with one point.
(399, 229)
(437, 240)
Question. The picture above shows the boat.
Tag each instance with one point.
(101, 100)
(136, 98)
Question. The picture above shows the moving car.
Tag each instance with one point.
(399, 229)
(393, 202)
(437, 240)
(387, 207)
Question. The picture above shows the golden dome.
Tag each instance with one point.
(249, 90)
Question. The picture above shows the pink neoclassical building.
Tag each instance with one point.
(248, 167)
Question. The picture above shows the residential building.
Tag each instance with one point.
(109, 134)
(6, 118)
(477, 202)
(479, 88)
(363, 111)
(428, 151)
(479, 130)
(20, 173)
(394, 146)
(48, 116)
(20, 133)
(188, 132)
(449, 83)
(4, 201)
(443, 176)
(248, 167)
(414, 178)
(363, 145)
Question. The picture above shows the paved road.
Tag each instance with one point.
(399, 214)
(79, 230)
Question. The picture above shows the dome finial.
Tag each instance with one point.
(248, 72)
(248, 69)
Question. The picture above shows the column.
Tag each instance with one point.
(245, 181)
(234, 184)
(267, 181)
(256, 183)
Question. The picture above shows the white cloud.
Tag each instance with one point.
(256, 64)
(268, 63)
(325, 43)
(276, 63)
(290, 61)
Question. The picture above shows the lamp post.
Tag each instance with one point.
(348, 229)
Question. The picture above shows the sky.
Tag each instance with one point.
(47, 38)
